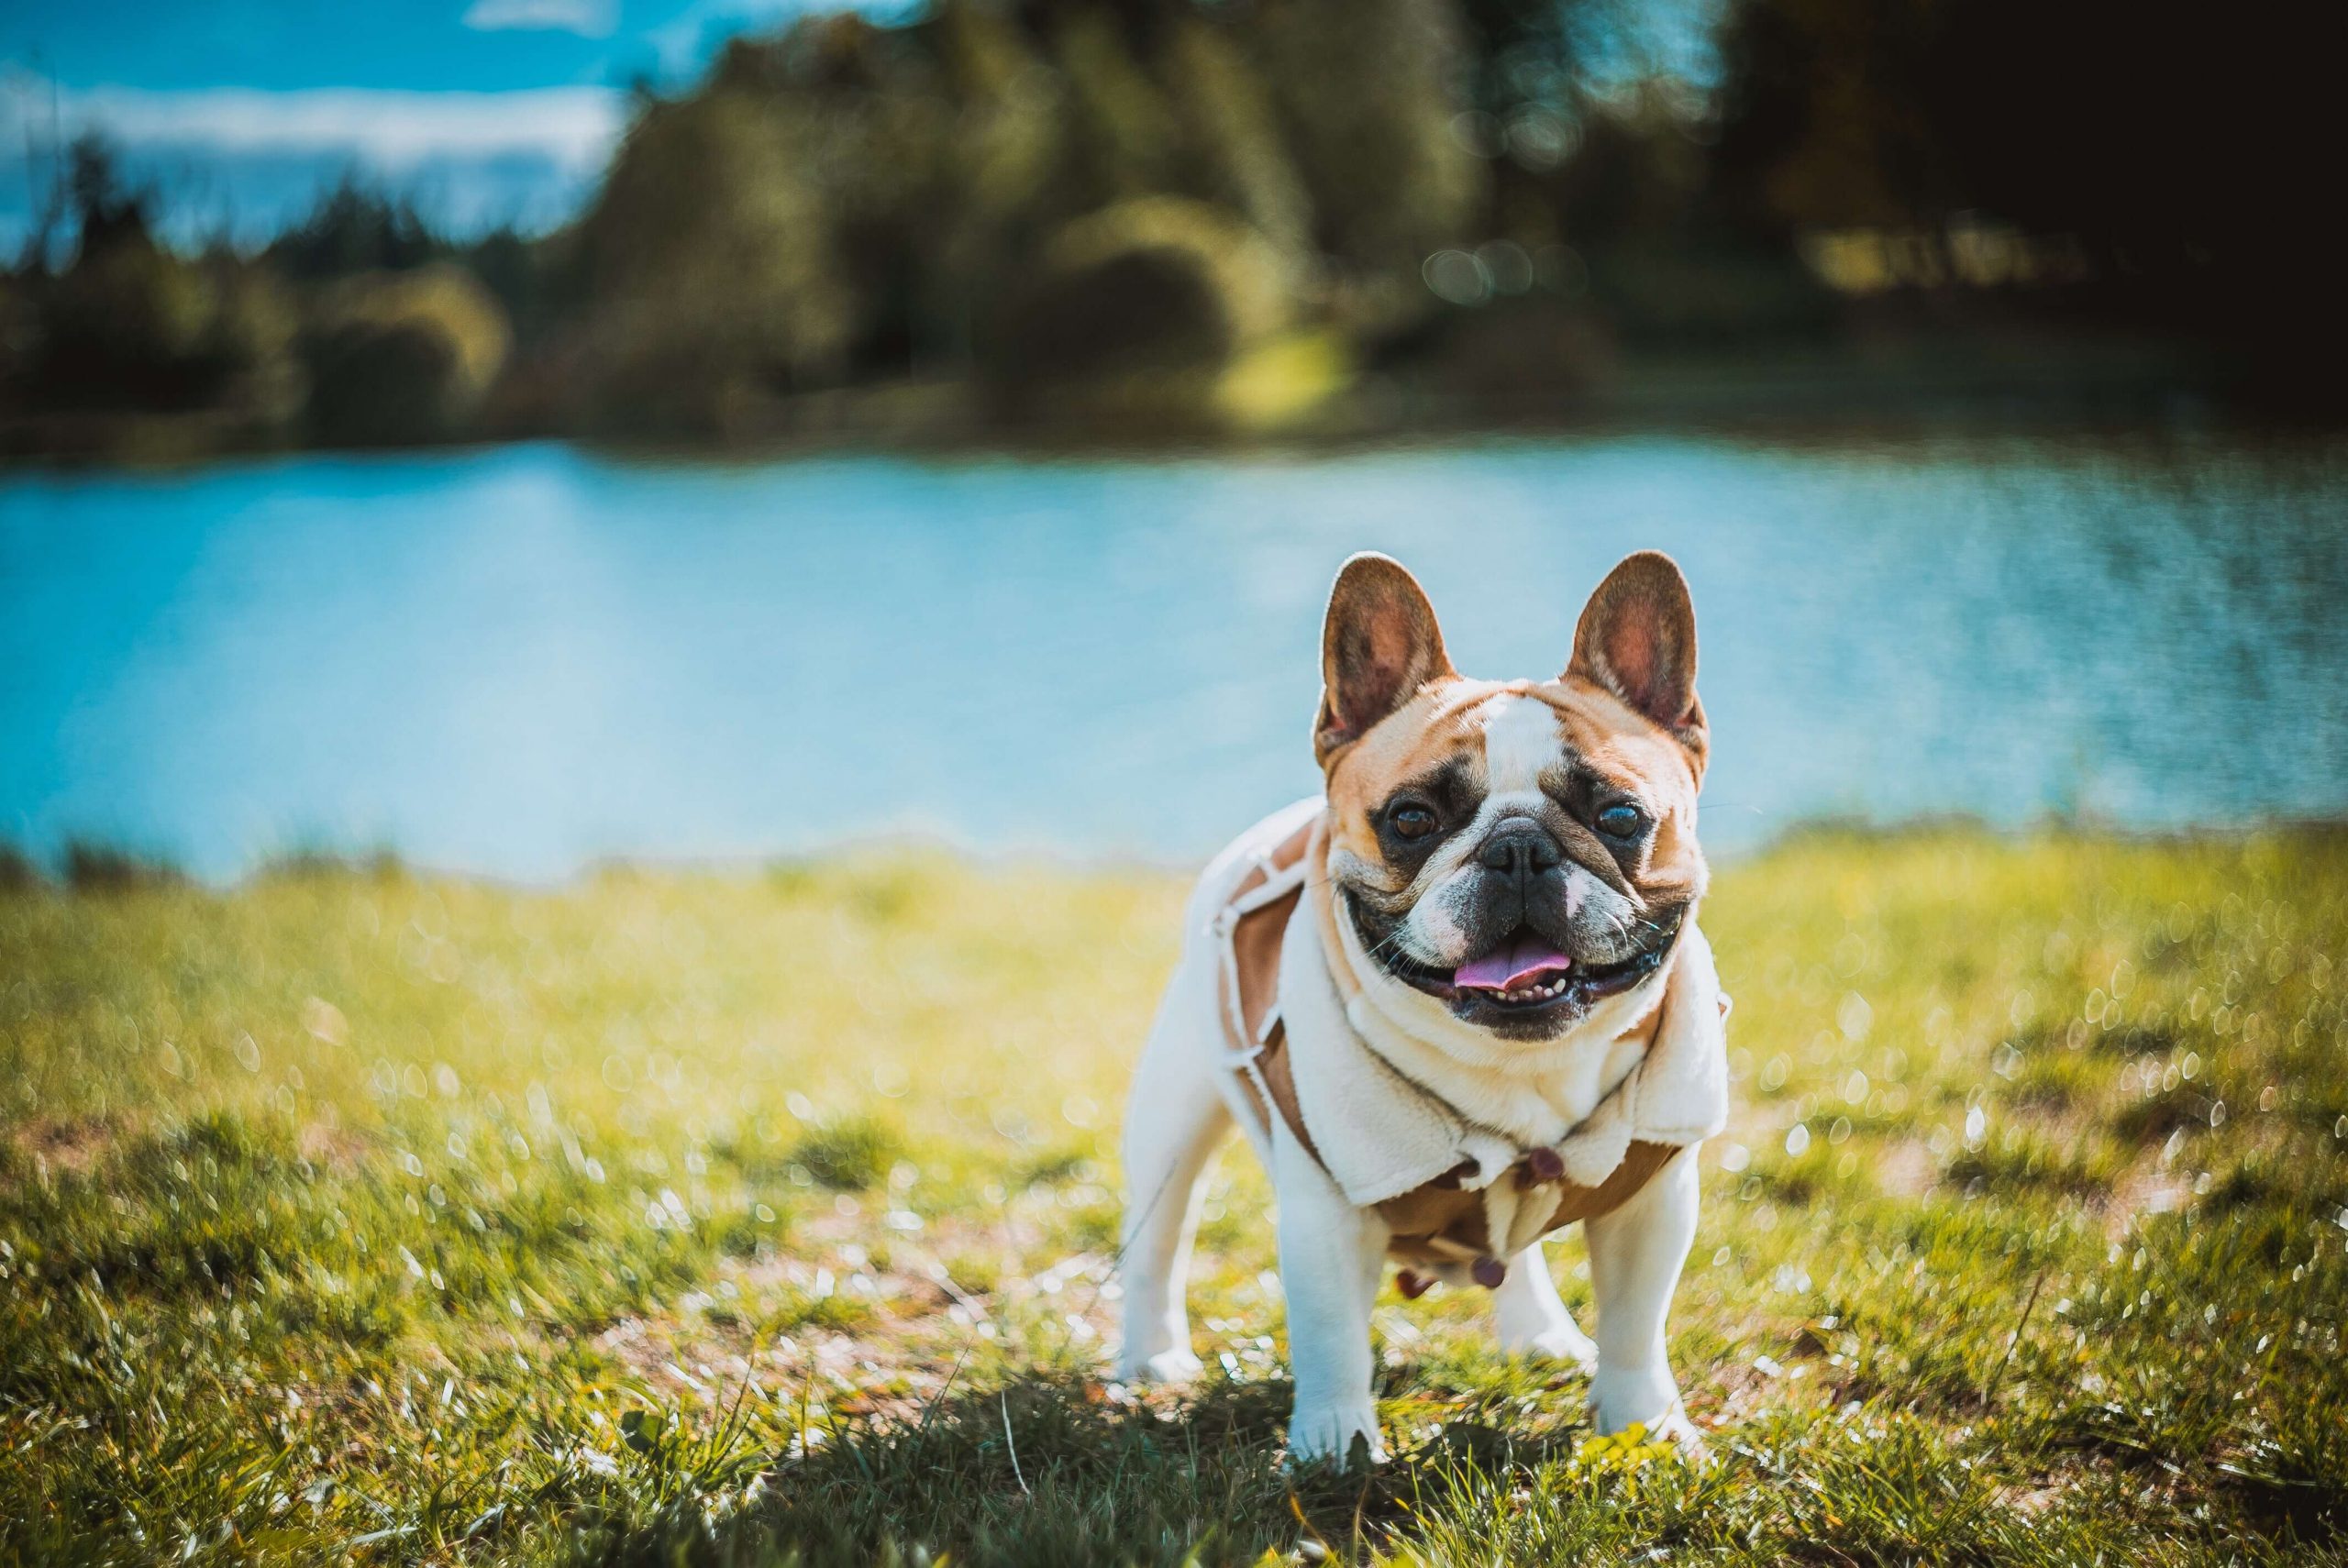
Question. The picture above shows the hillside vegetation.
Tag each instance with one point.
(351, 1215)
(1174, 220)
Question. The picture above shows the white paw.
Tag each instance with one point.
(1176, 1366)
(1322, 1434)
(1683, 1434)
(1621, 1398)
(1559, 1341)
(1620, 1395)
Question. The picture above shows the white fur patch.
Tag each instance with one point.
(1522, 738)
(1439, 929)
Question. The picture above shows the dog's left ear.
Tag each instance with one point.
(1379, 645)
(1637, 639)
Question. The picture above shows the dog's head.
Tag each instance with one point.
(1518, 852)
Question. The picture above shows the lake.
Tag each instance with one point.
(517, 660)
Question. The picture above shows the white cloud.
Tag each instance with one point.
(573, 128)
(588, 18)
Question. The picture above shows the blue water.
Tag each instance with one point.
(516, 661)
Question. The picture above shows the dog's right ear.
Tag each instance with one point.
(1379, 645)
(1637, 640)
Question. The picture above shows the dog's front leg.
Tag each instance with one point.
(1332, 1254)
(1531, 1318)
(1635, 1254)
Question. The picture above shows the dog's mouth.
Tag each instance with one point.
(1525, 975)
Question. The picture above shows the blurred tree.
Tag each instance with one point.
(1136, 312)
(1116, 204)
(1122, 140)
(1002, 189)
(711, 267)
(533, 279)
(874, 135)
(131, 326)
(398, 357)
(1367, 89)
(2177, 150)
(1236, 153)
(356, 229)
(2190, 153)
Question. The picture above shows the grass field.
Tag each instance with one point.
(725, 1219)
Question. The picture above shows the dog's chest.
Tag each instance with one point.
(1569, 1096)
(1537, 1107)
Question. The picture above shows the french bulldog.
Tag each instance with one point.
(1494, 929)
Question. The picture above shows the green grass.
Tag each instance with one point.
(351, 1215)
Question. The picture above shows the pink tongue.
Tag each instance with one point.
(1527, 959)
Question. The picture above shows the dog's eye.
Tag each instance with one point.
(1621, 820)
(1412, 822)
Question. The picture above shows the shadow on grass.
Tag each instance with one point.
(1046, 1469)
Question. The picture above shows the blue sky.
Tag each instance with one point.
(240, 110)
(439, 45)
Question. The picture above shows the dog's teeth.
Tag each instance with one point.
(1521, 995)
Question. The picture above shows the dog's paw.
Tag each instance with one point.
(1334, 1434)
(1175, 1366)
(1621, 1395)
(1675, 1428)
(1557, 1341)
(1618, 1398)
(1683, 1434)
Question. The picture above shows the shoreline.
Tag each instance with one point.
(107, 869)
(1901, 391)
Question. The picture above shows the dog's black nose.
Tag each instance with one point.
(1521, 847)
